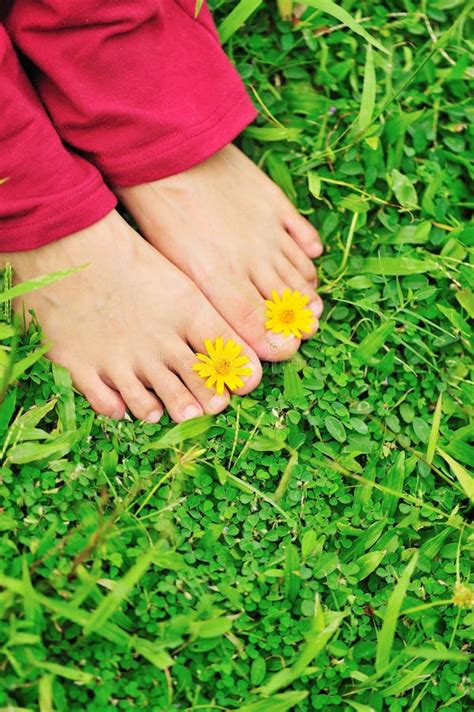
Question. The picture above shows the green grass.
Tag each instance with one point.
(301, 550)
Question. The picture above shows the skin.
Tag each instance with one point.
(127, 337)
(221, 236)
(227, 226)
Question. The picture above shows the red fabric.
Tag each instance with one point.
(46, 192)
(139, 88)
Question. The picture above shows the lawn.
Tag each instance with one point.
(310, 548)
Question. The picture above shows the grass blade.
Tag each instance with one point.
(343, 16)
(359, 707)
(408, 680)
(440, 653)
(57, 447)
(367, 563)
(277, 703)
(363, 493)
(286, 477)
(464, 478)
(466, 299)
(37, 283)
(45, 693)
(434, 434)
(392, 612)
(66, 405)
(69, 673)
(292, 573)
(183, 431)
(272, 133)
(373, 342)
(109, 631)
(462, 451)
(316, 642)
(367, 103)
(121, 590)
(7, 331)
(393, 266)
(237, 18)
(293, 390)
(285, 8)
(197, 8)
(21, 366)
(394, 482)
(30, 419)
(281, 174)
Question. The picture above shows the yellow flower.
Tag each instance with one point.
(223, 365)
(289, 314)
(463, 596)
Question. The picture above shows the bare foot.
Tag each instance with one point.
(127, 326)
(233, 232)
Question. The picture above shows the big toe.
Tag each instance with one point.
(243, 307)
(269, 346)
(294, 281)
(202, 335)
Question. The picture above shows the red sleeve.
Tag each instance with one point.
(45, 191)
(139, 87)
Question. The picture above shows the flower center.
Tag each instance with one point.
(287, 316)
(223, 366)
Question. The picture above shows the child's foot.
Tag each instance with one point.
(231, 229)
(127, 326)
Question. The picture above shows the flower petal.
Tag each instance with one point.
(210, 381)
(240, 360)
(209, 347)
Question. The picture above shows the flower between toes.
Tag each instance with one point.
(223, 365)
(289, 314)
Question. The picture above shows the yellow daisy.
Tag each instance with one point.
(223, 365)
(289, 314)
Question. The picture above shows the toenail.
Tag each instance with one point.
(279, 340)
(319, 249)
(191, 412)
(217, 403)
(154, 416)
(317, 308)
(277, 343)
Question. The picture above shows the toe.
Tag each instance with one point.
(210, 326)
(248, 315)
(279, 347)
(267, 280)
(277, 279)
(102, 398)
(140, 402)
(295, 282)
(304, 234)
(245, 311)
(300, 261)
(210, 401)
(177, 398)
